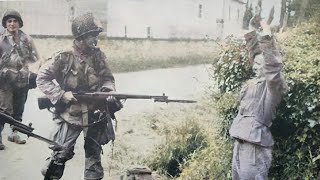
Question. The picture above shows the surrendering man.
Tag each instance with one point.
(259, 97)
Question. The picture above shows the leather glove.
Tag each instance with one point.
(111, 99)
(32, 80)
(114, 104)
(68, 97)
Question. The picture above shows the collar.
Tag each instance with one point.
(6, 33)
(80, 52)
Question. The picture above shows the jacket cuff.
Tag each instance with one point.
(108, 87)
(55, 98)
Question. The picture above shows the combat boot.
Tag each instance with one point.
(14, 137)
(2, 147)
(94, 172)
(52, 170)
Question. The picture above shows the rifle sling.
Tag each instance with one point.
(76, 125)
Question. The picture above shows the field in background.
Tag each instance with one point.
(126, 55)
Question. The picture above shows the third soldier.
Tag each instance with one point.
(18, 54)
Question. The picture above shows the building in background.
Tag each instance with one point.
(180, 18)
(53, 17)
(190, 19)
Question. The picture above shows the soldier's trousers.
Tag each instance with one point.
(1, 128)
(250, 161)
(67, 135)
(12, 101)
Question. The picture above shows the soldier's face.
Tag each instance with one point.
(90, 41)
(257, 67)
(12, 25)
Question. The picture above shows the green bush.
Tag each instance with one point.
(296, 129)
(229, 73)
(193, 147)
(181, 142)
(212, 162)
(227, 107)
(233, 67)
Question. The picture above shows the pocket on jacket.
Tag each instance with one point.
(247, 155)
(72, 79)
(92, 77)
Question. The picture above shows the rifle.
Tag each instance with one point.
(45, 103)
(17, 125)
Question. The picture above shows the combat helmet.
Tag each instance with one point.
(11, 14)
(85, 24)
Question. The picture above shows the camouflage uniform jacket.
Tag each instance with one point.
(75, 71)
(16, 58)
(259, 99)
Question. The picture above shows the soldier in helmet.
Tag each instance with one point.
(82, 69)
(17, 55)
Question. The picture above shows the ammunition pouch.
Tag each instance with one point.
(22, 79)
(17, 79)
(107, 133)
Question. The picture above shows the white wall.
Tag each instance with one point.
(167, 18)
(43, 17)
(53, 17)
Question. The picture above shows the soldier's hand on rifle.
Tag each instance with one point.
(111, 99)
(68, 97)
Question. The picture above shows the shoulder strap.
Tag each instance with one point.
(67, 66)
(96, 61)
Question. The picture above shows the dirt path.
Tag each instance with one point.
(134, 137)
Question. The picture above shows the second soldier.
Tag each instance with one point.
(82, 69)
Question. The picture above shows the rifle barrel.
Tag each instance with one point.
(117, 95)
(103, 95)
(17, 125)
(175, 101)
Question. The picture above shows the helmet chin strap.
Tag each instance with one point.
(80, 44)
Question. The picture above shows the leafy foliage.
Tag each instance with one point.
(296, 129)
(194, 148)
(233, 67)
(227, 107)
(303, 10)
(181, 143)
(212, 162)
(229, 73)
